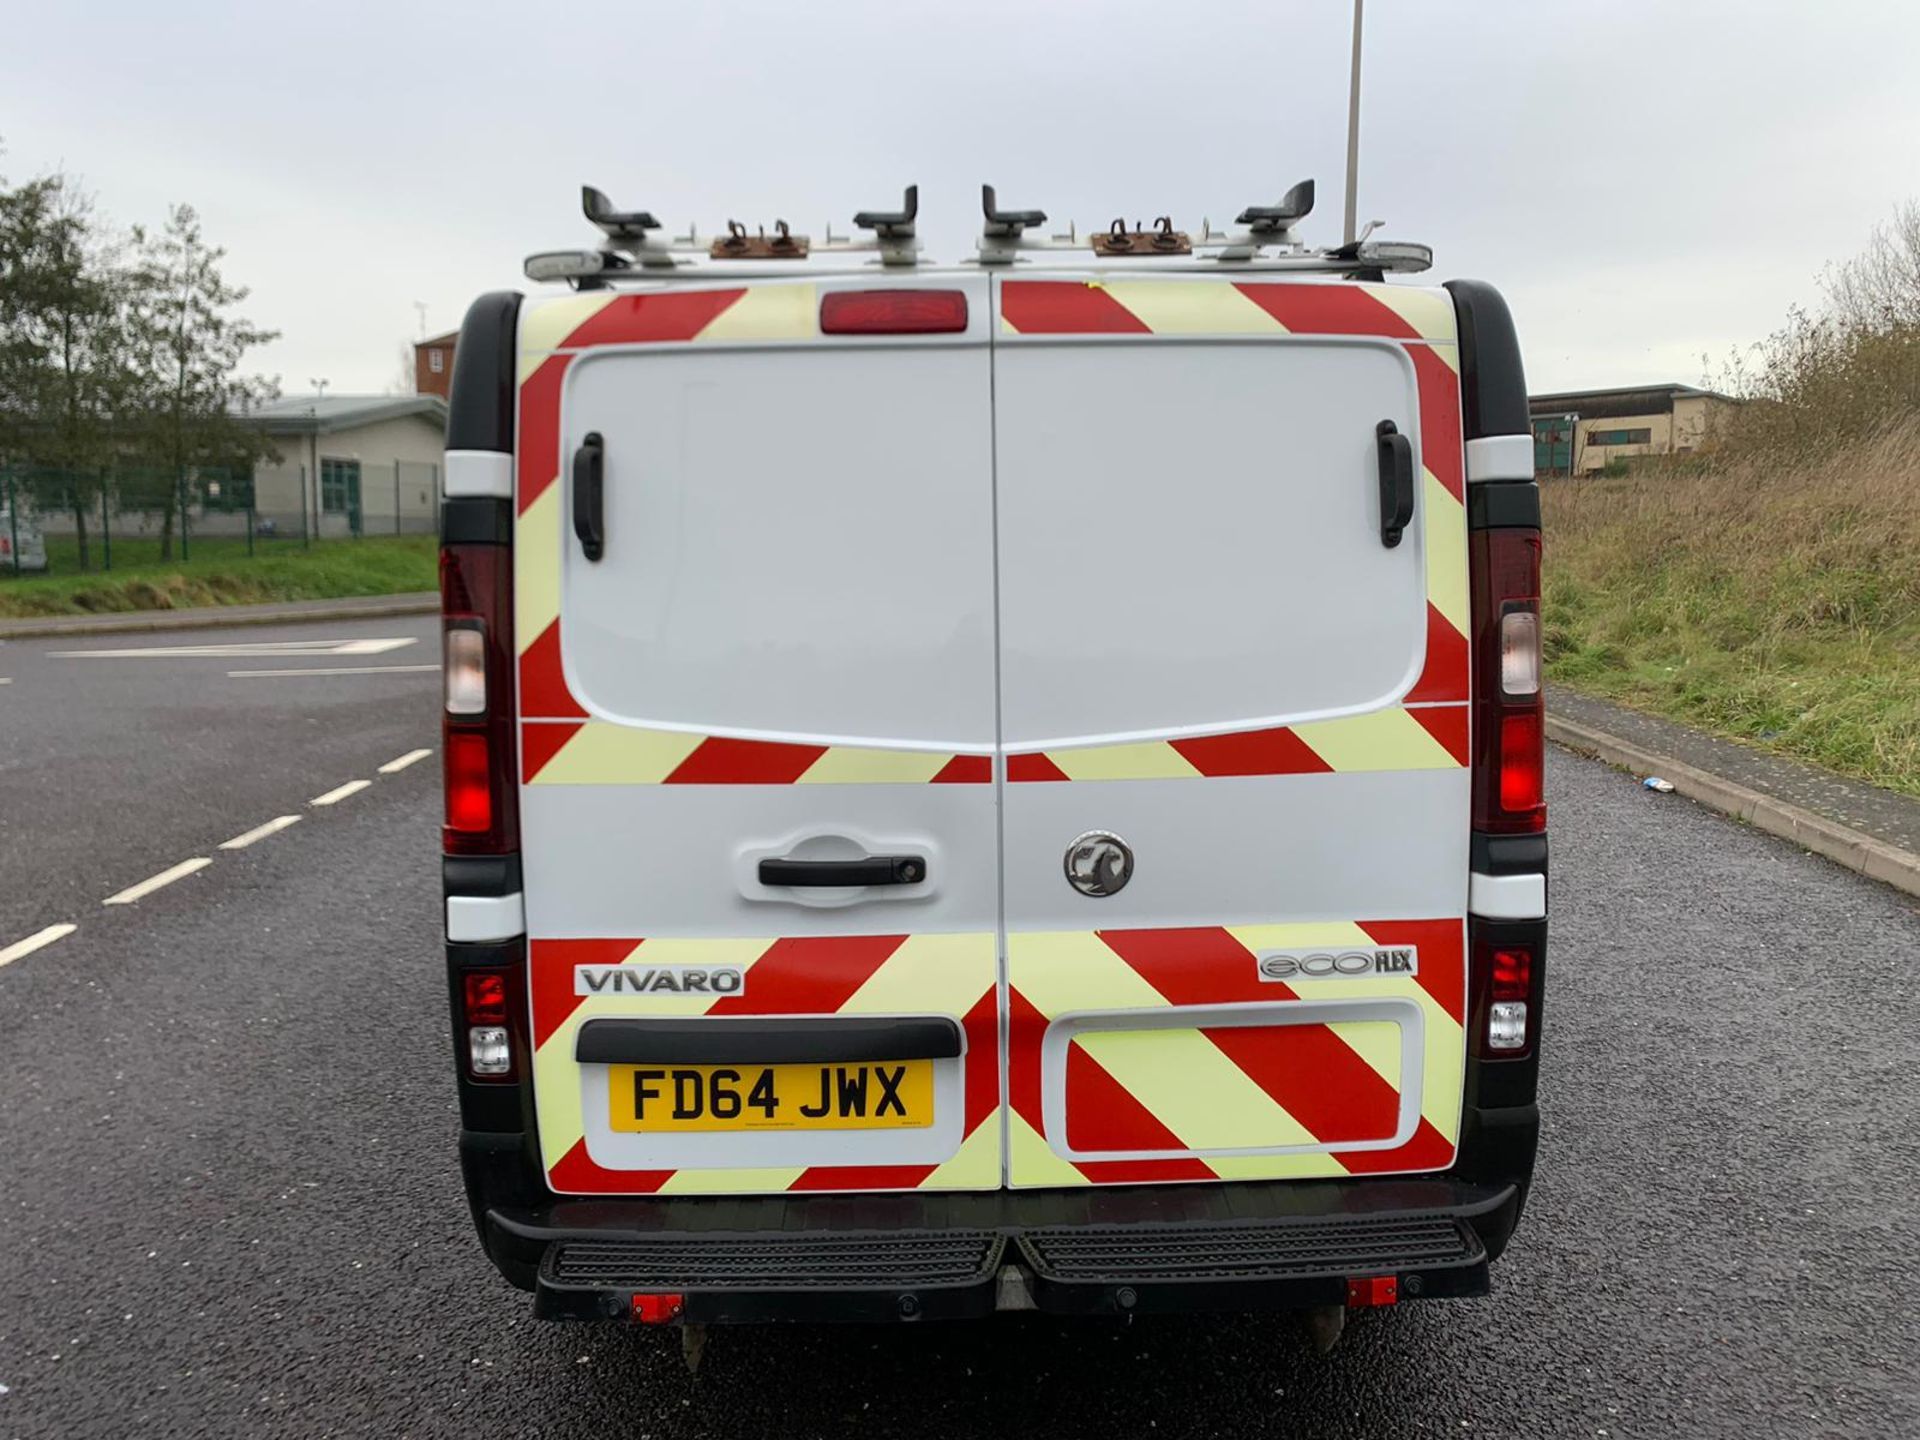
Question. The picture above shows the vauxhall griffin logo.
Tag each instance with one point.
(1292, 965)
(658, 980)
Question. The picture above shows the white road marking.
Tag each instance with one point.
(334, 796)
(154, 882)
(394, 767)
(260, 832)
(242, 648)
(333, 670)
(6, 680)
(44, 938)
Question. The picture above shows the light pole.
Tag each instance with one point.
(310, 504)
(1353, 132)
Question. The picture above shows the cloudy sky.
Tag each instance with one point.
(1649, 182)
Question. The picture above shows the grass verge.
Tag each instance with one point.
(1768, 598)
(220, 572)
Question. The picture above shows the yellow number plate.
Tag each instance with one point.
(881, 1095)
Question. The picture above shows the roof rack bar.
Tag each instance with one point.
(1263, 236)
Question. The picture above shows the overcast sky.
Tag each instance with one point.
(1648, 182)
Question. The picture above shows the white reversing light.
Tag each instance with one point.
(466, 670)
(1520, 652)
(1506, 1025)
(487, 1050)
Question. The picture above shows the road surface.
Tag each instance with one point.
(229, 1204)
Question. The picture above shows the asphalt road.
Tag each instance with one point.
(229, 1204)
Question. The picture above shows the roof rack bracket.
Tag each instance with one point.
(1002, 238)
(893, 229)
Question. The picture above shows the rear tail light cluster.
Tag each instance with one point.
(1506, 984)
(486, 1002)
(1508, 706)
(477, 691)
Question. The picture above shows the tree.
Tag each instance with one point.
(189, 342)
(25, 217)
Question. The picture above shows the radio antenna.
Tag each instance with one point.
(1353, 132)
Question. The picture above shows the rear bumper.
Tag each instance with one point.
(915, 1256)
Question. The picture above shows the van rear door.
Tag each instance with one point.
(1237, 716)
(756, 803)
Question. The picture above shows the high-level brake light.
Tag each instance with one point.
(893, 312)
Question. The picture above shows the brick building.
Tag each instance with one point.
(433, 364)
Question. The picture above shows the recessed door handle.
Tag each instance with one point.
(589, 495)
(1396, 482)
(871, 870)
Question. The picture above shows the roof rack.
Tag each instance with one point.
(1262, 235)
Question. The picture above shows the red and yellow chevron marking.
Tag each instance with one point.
(576, 749)
(1428, 730)
(823, 975)
(1190, 1091)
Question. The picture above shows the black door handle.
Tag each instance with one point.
(589, 495)
(1396, 481)
(873, 870)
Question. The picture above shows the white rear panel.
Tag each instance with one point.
(1191, 539)
(785, 652)
(798, 544)
(1208, 653)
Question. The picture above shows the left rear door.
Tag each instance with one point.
(785, 651)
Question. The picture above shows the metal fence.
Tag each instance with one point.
(64, 522)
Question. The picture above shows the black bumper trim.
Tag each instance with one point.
(823, 1040)
(929, 1255)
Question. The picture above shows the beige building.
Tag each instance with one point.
(1576, 432)
(350, 464)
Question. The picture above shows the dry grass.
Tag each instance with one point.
(1767, 595)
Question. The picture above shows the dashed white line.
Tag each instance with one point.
(154, 882)
(238, 651)
(394, 767)
(32, 943)
(260, 832)
(340, 792)
(332, 670)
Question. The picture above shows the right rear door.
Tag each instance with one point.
(1208, 654)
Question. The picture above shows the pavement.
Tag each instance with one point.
(220, 617)
(230, 1204)
(1889, 817)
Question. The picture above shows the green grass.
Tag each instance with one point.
(1774, 601)
(220, 572)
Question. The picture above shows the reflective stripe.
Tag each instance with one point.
(485, 917)
(1500, 457)
(1508, 897)
(487, 474)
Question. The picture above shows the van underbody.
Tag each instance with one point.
(973, 794)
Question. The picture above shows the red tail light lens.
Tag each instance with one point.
(469, 782)
(486, 996)
(1511, 975)
(1522, 756)
(1509, 712)
(477, 718)
(893, 312)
